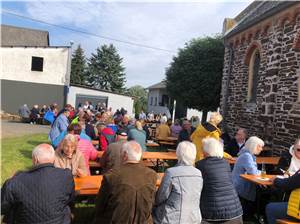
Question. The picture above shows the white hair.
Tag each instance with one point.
(252, 143)
(186, 153)
(133, 151)
(213, 147)
(43, 153)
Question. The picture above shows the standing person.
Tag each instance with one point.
(127, 194)
(246, 163)
(142, 115)
(138, 134)
(24, 113)
(219, 199)
(186, 132)
(59, 125)
(178, 197)
(175, 129)
(40, 195)
(208, 129)
(237, 143)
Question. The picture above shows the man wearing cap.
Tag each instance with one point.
(112, 156)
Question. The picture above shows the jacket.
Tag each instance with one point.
(139, 136)
(245, 164)
(106, 137)
(76, 162)
(233, 147)
(201, 132)
(60, 124)
(111, 158)
(40, 195)
(126, 195)
(178, 198)
(219, 199)
(88, 151)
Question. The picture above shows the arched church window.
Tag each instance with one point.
(254, 66)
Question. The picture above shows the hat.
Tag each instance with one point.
(122, 133)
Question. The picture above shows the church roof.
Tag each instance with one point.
(160, 85)
(256, 12)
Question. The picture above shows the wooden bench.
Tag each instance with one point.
(285, 221)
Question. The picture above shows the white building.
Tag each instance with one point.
(33, 72)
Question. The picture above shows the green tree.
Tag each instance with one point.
(105, 70)
(139, 94)
(194, 76)
(78, 67)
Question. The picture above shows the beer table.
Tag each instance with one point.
(146, 155)
(257, 179)
(90, 185)
(260, 160)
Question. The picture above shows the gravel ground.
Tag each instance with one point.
(15, 129)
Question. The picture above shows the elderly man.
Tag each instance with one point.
(237, 143)
(40, 195)
(127, 194)
(186, 132)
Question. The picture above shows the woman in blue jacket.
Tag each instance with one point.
(246, 164)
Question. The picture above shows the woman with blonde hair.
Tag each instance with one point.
(138, 134)
(68, 157)
(208, 129)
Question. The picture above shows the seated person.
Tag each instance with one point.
(86, 148)
(138, 134)
(186, 132)
(163, 131)
(40, 195)
(237, 143)
(35, 114)
(278, 210)
(127, 193)
(178, 197)
(106, 136)
(290, 161)
(246, 164)
(24, 113)
(72, 128)
(68, 157)
(175, 129)
(111, 158)
(219, 199)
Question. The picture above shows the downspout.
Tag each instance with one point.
(225, 106)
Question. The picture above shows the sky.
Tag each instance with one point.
(163, 25)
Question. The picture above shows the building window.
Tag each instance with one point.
(253, 76)
(151, 101)
(155, 101)
(37, 64)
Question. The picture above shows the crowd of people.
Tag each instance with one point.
(201, 188)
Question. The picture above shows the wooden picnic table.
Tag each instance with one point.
(152, 144)
(90, 185)
(260, 160)
(257, 179)
(146, 155)
(168, 139)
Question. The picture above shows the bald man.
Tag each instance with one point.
(127, 193)
(40, 195)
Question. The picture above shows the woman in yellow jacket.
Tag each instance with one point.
(208, 129)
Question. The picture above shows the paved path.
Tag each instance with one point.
(15, 129)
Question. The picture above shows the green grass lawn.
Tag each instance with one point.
(16, 153)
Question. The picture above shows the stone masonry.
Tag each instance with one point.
(275, 116)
